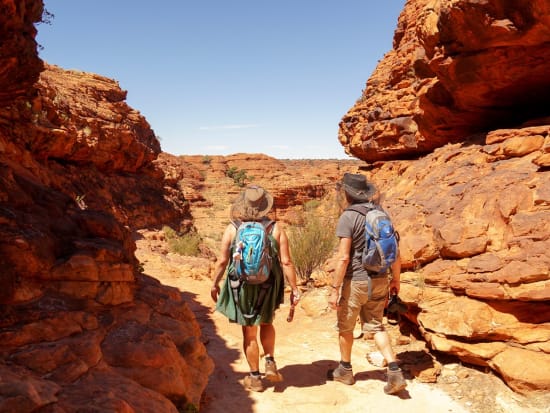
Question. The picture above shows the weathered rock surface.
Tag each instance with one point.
(293, 183)
(78, 320)
(463, 92)
(457, 68)
(18, 58)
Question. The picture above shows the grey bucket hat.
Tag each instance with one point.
(357, 187)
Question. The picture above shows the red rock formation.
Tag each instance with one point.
(464, 86)
(18, 58)
(457, 68)
(77, 178)
(293, 183)
(474, 239)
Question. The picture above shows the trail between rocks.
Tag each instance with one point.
(305, 349)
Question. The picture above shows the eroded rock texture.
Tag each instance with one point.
(457, 68)
(78, 321)
(464, 93)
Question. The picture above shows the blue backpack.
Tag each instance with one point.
(381, 239)
(252, 252)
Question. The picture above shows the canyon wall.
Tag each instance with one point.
(454, 128)
(457, 69)
(77, 178)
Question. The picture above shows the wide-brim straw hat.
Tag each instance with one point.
(358, 188)
(252, 203)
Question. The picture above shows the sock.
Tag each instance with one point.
(255, 373)
(393, 366)
(269, 358)
(346, 364)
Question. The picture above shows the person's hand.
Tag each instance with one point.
(295, 297)
(394, 287)
(214, 292)
(334, 297)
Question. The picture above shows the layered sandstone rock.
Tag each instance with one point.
(464, 86)
(293, 184)
(474, 226)
(457, 68)
(78, 321)
(18, 58)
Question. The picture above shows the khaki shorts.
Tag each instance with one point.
(354, 302)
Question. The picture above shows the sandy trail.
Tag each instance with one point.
(305, 349)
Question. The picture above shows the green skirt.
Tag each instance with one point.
(244, 312)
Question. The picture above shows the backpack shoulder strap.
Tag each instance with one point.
(363, 209)
(268, 225)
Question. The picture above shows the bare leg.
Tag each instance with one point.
(346, 343)
(250, 347)
(343, 372)
(267, 338)
(382, 341)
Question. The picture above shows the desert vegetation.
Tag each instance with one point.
(312, 238)
(184, 244)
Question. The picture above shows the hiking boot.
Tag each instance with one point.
(271, 372)
(253, 383)
(341, 374)
(396, 382)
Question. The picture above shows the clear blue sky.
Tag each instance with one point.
(216, 77)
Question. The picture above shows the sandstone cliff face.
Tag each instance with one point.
(457, 68)
(18, 58)
(292, 183)
(464, 86)
(77, 178)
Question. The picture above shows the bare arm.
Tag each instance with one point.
(222, 261)
(342, 261)
(395, 283)
(286, 261)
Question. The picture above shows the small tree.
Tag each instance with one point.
(311, 243)
(238, 175)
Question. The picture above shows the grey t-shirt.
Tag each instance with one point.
(351, 224)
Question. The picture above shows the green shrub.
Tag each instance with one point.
(238, 175)
(185, 244)
(311, 243)
(311, 205)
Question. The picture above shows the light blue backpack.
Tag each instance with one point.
(252, 253)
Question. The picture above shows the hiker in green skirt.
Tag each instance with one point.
(253, 305)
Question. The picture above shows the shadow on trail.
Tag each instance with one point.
(303, 375)
(225, 386)
(315, 374)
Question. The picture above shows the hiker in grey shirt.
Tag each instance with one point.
(354, 292)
